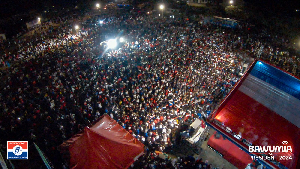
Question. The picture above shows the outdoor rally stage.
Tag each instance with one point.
(263, 110)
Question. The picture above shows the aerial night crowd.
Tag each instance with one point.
(169, 71)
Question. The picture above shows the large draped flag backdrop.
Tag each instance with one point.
(263, 109)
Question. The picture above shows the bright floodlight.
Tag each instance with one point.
(39, 19)
(98, 5)
(76, 27)
(101, 22)
(112, 43)
(162, 7)
(122, 39)
(231, 1)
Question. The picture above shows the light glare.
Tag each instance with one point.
(161, 7)
(112, 43)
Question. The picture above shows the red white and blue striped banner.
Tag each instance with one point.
(264, 110)
(274, 89)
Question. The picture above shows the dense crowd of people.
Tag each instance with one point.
(153, 160)
(169, 71)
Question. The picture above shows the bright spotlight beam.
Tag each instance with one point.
(112, 43)
(162, 7)
(122, 40)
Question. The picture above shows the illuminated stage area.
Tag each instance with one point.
(263, 110)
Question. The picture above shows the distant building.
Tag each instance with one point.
(220, 2)
(33, 23)
(199, 1)
(232, 3)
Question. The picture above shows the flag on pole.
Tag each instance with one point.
(42, 156)
(2, 162)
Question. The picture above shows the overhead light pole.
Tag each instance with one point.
(97, 5)
(162, 7)
(76, 28)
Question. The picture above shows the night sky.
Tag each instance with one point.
(276, 5)
(8, 8)
(12, 25)
(11, 7)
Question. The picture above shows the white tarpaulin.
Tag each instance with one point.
(196, 124)
(196, 136)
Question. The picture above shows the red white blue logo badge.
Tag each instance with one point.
(17, 150)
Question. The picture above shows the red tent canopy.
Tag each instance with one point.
(104, 145)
